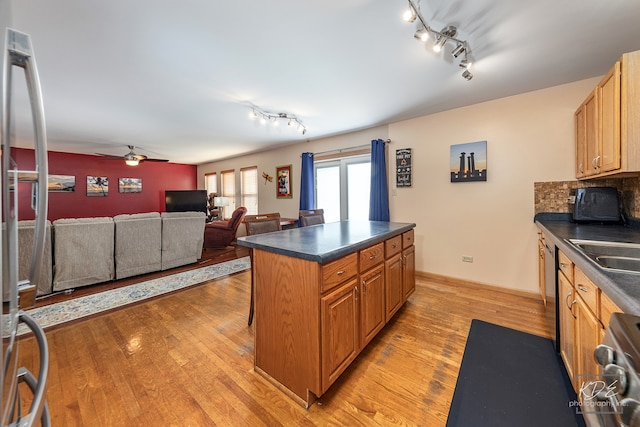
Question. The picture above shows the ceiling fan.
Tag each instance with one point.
(131, 158)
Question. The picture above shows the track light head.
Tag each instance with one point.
(421, 34)
(458, 50)
(465, 64)
(409, 15)
(443, 36)
(467, 75)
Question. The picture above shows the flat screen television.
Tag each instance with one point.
(185, 200)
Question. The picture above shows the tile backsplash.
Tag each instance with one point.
(553, 196)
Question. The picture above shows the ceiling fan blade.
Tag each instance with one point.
(109, 156)
(154, 160)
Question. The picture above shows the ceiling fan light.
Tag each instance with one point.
(131, 162)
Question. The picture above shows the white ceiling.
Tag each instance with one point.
(177, 78)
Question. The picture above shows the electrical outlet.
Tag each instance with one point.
(571, 200)
(467, 258)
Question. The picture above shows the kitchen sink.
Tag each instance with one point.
(618, 256)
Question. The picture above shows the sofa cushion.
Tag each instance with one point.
(182, 238)
(83, 252)
(138, 244)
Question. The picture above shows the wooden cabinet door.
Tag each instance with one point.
(408, 271)
(372, 307)
(592, 138)
(566, 308)
(393, 277)
(340, 343)
(542, 287)
(581, 142)
(588, 335)
(610, 120)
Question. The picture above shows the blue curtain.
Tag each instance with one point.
(379, 198)
(307, 184)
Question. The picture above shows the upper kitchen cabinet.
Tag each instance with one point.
(608, 123)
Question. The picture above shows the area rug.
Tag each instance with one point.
(55, 314)
(511, 378)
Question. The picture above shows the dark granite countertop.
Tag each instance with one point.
(622, 288)
(325, 242)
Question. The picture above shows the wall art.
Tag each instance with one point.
(283, 177)
(468, 162)
(403, 167)
(61, 183)
(130, 185)
(97, 186)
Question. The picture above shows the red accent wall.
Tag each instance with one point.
(156, 178)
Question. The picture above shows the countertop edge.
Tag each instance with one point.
(608, 282)
(333, 254)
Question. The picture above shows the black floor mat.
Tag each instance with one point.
(511, 378)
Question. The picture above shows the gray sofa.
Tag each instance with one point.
(85, 251)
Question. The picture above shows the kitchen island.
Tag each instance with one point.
(321, 294)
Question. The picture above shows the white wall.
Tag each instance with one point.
(530, 138)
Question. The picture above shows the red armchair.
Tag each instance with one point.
(220, 234)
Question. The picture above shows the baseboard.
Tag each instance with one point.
(452, 281)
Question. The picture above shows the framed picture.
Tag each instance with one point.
(130, 185)
(61, 183)
(468, 162)
(283, 178)
(97, 186)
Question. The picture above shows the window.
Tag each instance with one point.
(211, 182)
(228, 184)
(342, 187)
(249, 189)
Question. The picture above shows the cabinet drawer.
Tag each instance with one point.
(338, 271)
(392, 246)
(566, 266)
(588, 291)
(606, 308)
(407, 239)
(371, 256)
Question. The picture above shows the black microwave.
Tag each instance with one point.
(597, 204)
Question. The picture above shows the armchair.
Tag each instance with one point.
(220, 234)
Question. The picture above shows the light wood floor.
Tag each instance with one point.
(187, 360)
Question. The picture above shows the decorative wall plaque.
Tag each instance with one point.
(403, 167)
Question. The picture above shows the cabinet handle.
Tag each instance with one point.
(341, 272)
(364, 286)
(582, 288)
(372, 257)
(394, 246)
(563, 265)
(356, 293)
(570, 307)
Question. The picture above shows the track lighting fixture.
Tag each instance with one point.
(275, 118)
(423, 32)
